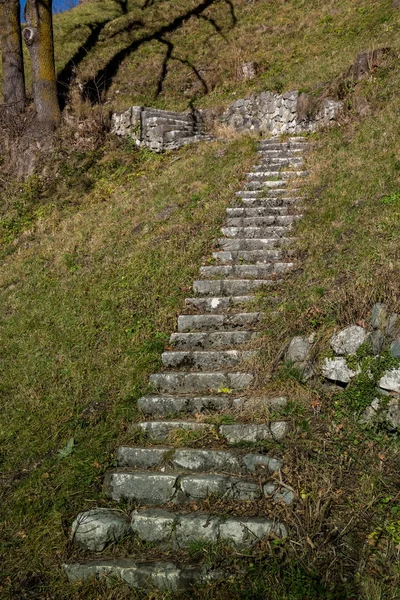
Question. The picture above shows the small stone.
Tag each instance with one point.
(391, 381)
(347, 341)
(248, 70)
(299, 350)
(336, 369)
(393, 413)
(379, 317)
(395, 348)
(393, 327)
(97, 528)
(370, 412)
(377, 341)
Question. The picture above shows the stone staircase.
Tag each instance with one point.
(206, 429)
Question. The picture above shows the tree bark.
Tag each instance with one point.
(38, 36)
(12, 61)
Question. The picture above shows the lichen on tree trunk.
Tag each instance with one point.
(38, 36)
(12, 61)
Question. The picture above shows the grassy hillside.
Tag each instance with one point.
(99, 248)
(296, 44)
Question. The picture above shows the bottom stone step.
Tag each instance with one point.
(165, 576)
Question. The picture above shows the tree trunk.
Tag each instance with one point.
(38, 36)
(12, 61)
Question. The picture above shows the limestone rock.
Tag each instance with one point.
(379, 317)
(247, 70)
(393, 413)
(391, 381)
(336, 369)
(371, 412)
(299, 350)
(395, 348)
(97, 528)
(377, 340)
(299, 354)
(347, 341)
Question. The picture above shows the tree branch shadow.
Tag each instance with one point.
(94, 88)
(67, 74)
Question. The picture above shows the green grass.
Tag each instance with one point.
(89, 297)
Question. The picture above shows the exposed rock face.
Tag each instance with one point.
(266, 113)
(348, 340)
(270, 113)
(158, 129)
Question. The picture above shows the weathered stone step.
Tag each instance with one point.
(277, 162)
(269, 203)
(281, 151)
(164, 576)
(218, 304)
(228, 322)
(155, 488)
(267, 174)
(261, 221)
(273, 193)
(205, 360)
(247, 256)
(177, 530)
(182, 383)
(191, 459)
(266, 231)
(257, 271)
(261, 185)
(234, 434)
(258, 211)
(231, 287)
(164, 405)
(217, 339)
(239, 244)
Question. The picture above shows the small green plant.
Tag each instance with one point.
(392, 199)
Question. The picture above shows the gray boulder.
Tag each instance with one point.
(395, 348)
(347, 341)
(299, 354)
(97, 528)
(391, 381)
(379, 317)
(336, 369)
(393, 413)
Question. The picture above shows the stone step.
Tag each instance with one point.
(196, 460)
(179, 530)
(215, 340)
(218, 304)
(267, 153)
(156, 488)
(281, 150)
(270, 202)
(265, 244)
(266, 231)
(228, 322)
(182, 383)
(247, 256)
(267, 174)
(165, 576)
(164, 405)
(277, 162)
(258, 211)
(261, 185)
(234, 434)
(231, 287)
(261, 221)
(205, 360)
(273, 193)
(257, 271)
